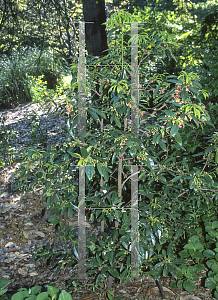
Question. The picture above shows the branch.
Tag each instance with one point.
(129, 177)
(154, 112)
(205, 163)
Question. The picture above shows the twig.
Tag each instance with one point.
(205, 164)
(182, 194)
(208, 190)
(154, 112)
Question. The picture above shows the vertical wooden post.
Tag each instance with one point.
(81, 133)
(125, 124)
(102, 181)
(120, 169)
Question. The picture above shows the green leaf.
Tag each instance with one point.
(169, 112)
(112, 117)
(117, 121)
(129, 143)
(124, 245)
(174, 81)
(189, 286)
(93, 114)
(197, 112)
(106, 176)
(76, 155)
(162, 145)
(111, 257)
(176, 178)
(123, 275)
(98, 112)
(195, 120)
(116, 234)
(179, 284)
(98, 279)
(155, 91)
(209, 253)
(4, 282)
(168, 53)
(183, 94)
(75, 120)
(162, 179)
(90, 171)
(110, 295)
(165, 270)
(208, 179)
(208, 149)
(84, 152)
(2, 292)
(113, 157)
(75, 252)
(54, 220)
(173, 284)
(64, 296)
(196, 83)
(98, 259)
(193, 90)
(101, 87)
(112, 30)
(178, 139)
(113, 272)
(48, 184)
(174, 129)
(172, 271)
(210, 262)
(116, 98)
(99, 167)
(214, 267)
(210, 283)
(216, 157)
(216, 294)
(171, 76)
(215, 224)
(43, 296)
(194, 246)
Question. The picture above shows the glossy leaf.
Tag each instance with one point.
(114, 157)
(113, 272)
(84, 152)
(210, 283)
(174, 129)
(90, 171)
(98, 112)
(93, 114)
(162, 145)
(105, 173)
(189, 286)
(63, 296)
(111, 258)
(178, 138)
(193, 90)
(117, 121)
(100, 169)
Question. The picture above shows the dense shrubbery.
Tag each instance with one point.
(23, 79)
(176, 151)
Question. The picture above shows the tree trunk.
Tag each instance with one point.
(95, 33)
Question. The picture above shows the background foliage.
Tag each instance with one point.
(176, 149)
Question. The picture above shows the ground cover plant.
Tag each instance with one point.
(176, 151)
